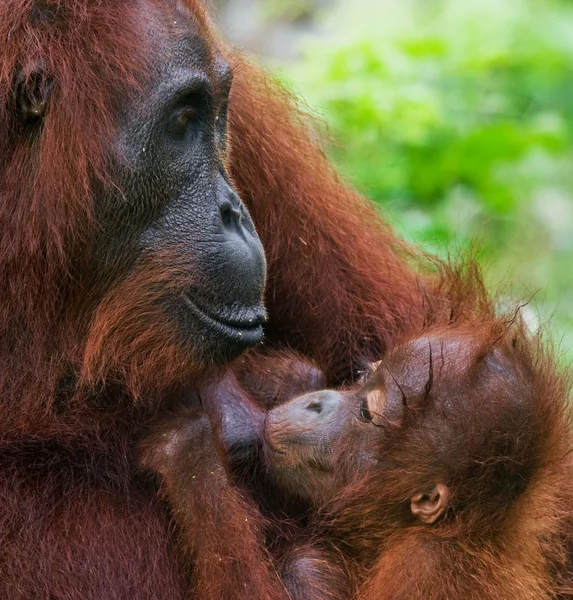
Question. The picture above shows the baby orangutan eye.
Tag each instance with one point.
(364, 413)
(371, 408)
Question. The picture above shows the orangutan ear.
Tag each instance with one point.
(32, 88)
(430, 506)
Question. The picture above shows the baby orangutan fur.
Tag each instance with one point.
(445, 475)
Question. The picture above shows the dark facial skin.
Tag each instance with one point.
(176, 206)
(298, 438)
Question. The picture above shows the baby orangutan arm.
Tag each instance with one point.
(311, 573)
(221, 530)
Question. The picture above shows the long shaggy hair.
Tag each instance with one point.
(506, 452)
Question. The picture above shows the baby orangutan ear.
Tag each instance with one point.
(430, 506)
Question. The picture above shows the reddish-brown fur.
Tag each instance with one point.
(220, 528)
(334, 296)
(220, 524)
(77, 384)
(507, 531)
(496, 543)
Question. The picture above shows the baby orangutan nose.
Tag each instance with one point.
(311, 420)
(318, 405)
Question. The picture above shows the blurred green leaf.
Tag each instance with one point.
(456, 116)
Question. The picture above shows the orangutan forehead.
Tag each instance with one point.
(423, 364)
(188, 23)
(433, 361)
(445, 355)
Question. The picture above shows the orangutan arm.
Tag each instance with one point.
(221, 531)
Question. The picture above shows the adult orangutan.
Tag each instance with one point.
(129, 267)
(446, 475)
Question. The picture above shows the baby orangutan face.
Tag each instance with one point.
(413, 410)
(303, 439)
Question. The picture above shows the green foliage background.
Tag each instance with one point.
(456, 117)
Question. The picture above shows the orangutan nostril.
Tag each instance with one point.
(314, 406)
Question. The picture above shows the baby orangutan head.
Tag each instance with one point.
(444, 422)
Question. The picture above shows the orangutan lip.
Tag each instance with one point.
(272, 446)
(248, 331)
(273, 449)
(267, 444)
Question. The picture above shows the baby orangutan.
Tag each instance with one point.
(446, 475)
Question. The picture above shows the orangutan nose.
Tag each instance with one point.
(322, 403)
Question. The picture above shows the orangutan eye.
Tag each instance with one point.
(181, 119)
(190, 109)
(371, 409)
(364, 413)
(185, 116)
